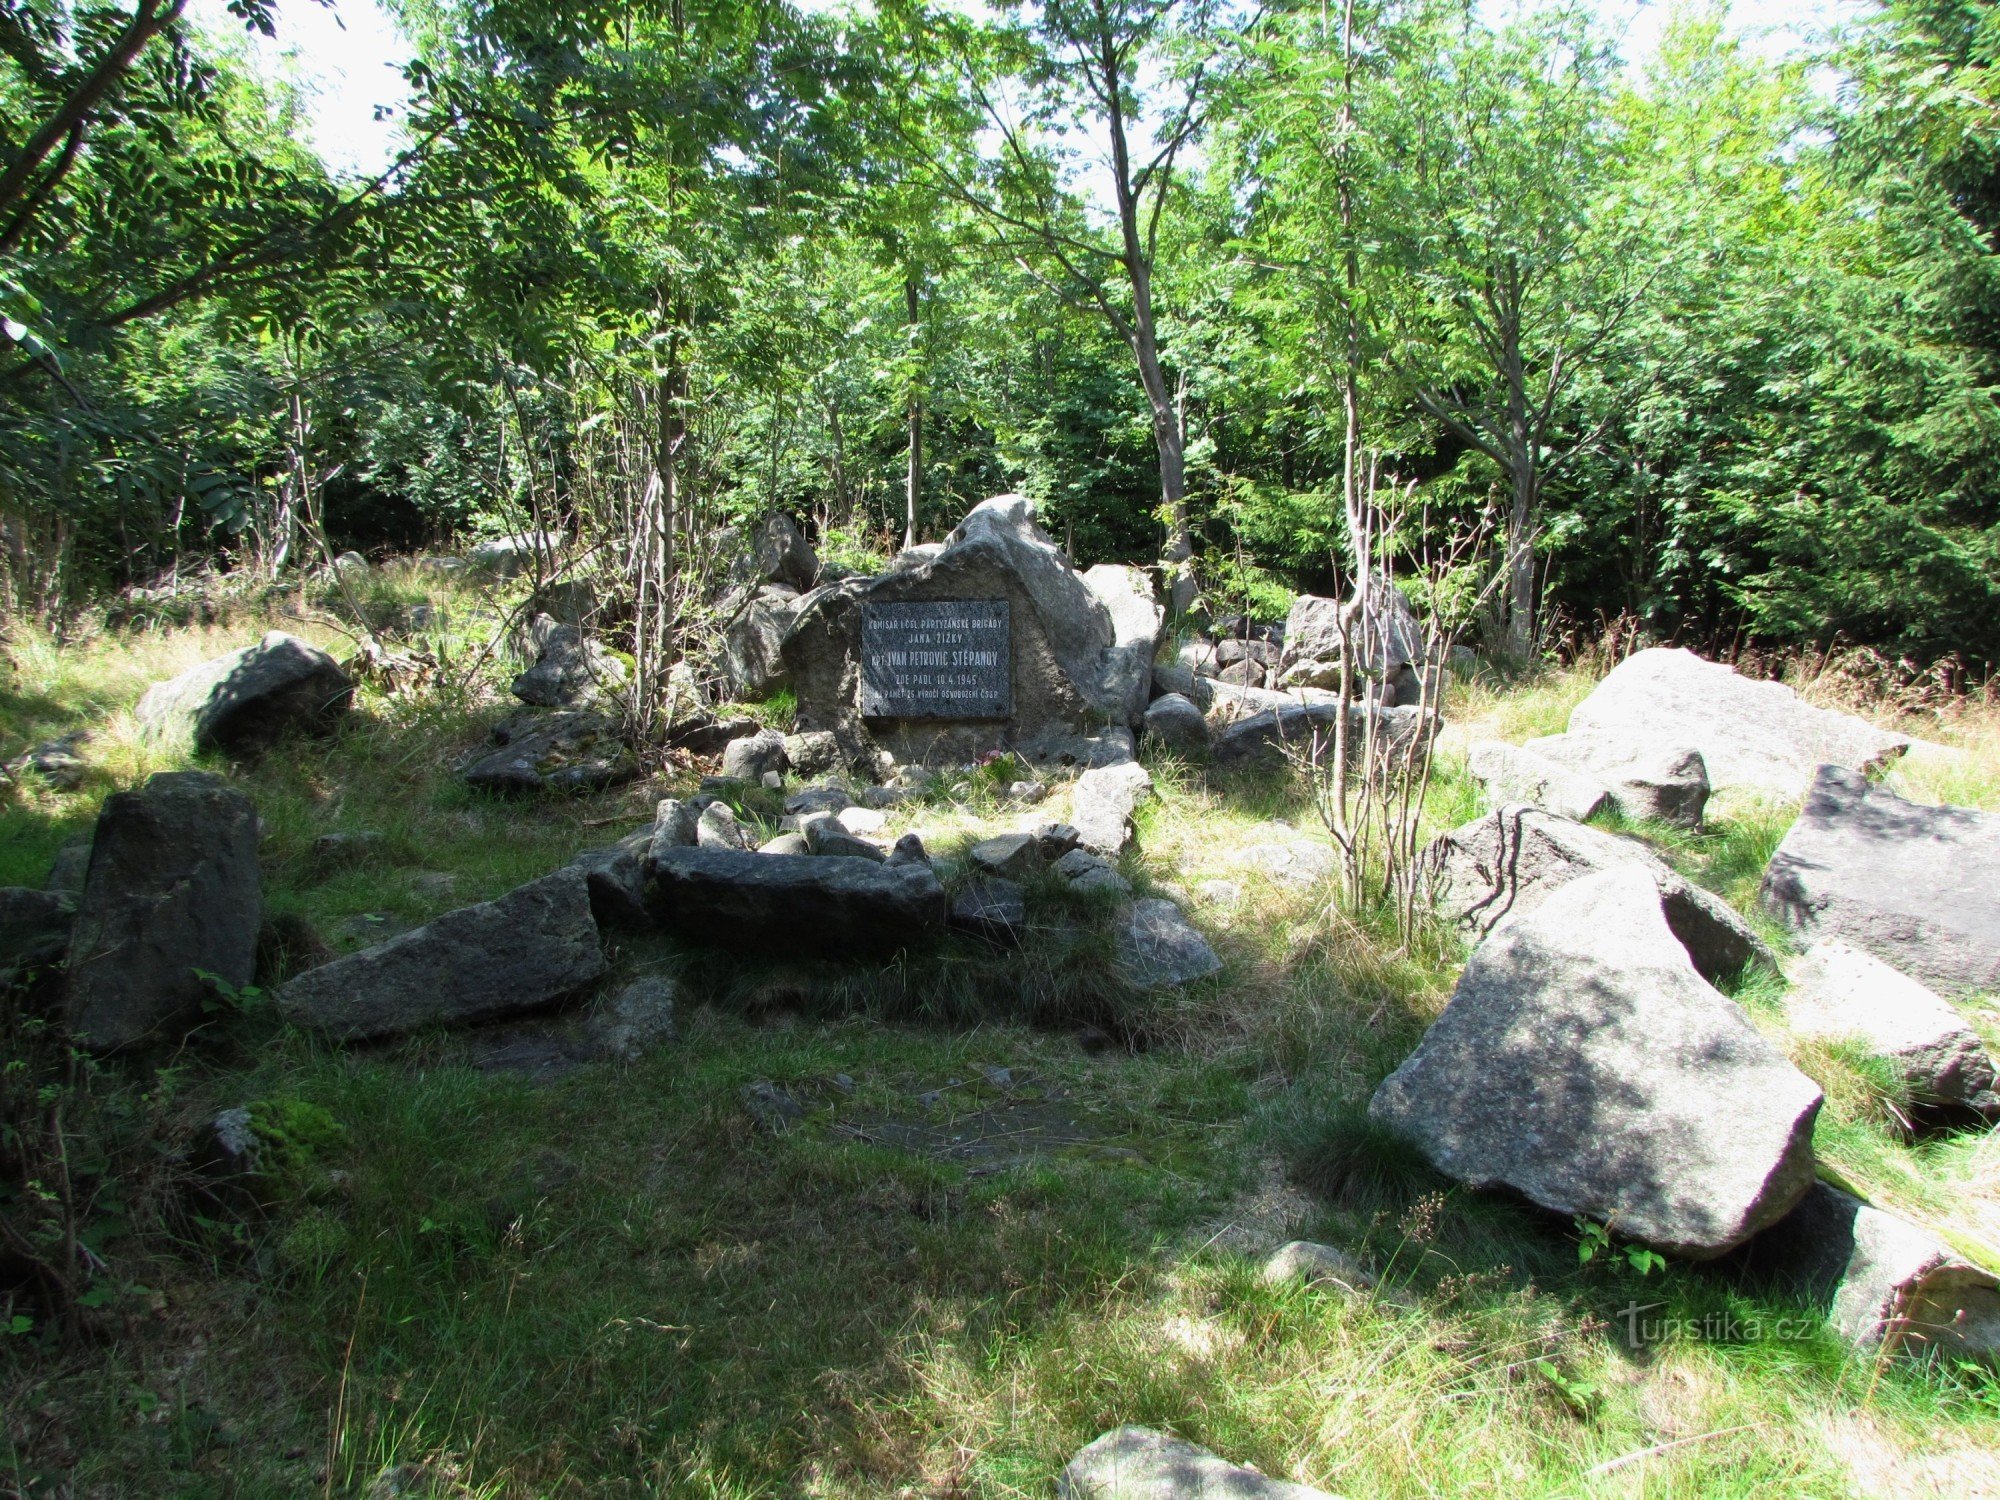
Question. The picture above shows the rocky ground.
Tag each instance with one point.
(931, 1183)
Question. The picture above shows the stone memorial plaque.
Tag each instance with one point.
(940, 659)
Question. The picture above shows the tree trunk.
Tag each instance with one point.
(1523, 450)
(1520, 563)
(1178, 556)
(913, 479)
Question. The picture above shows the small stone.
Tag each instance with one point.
(1028, 793)
(1177, 723)
(786, 843)
(773, 782)
(814, 799)
(1910, 883)
(1087, 872)
(617, 879)
(1137, 1463)
(772, 1109)
(245, 702)
(676, 824)
(1012, 855)
(632, 1022)
(748, 759)
(1316, 1264)
(66, 871)
(172, 890)
(766, 903)
(335, 851)
(1054, 840)
(718, 828)
(879, 798)
(56, 762)
(861, 821)
(824, 835)
(1887, 1284)
(570, 671)
(34, 930)
(528, 949)
(909, 850)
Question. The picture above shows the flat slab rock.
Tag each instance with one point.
(1885, 1283)
(1583, 1063)
(567, 750)
(1838, 991)
(1911, 884)
(1137, 1463)
(531, 947)
(1158, 948)
(245, 702)
(1501, 867)
(819, 903)
(570, 670)
(1753, 736)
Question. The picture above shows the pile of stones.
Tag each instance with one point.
(1588, 1062)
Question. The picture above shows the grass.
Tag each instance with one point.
(614, 1283)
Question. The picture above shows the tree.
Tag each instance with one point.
(1136, 75)
(1515, 261)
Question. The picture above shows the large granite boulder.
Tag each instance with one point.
(1753, 736)
(1502, 866)
(1137, 1463)
(1838, 991)
(570, 671)
(1136, 622)
(1583, 1063)
(753, 637)
(1887, 1285)
(245, 702)
(564, 751)
(530, 948)
(172, 892)
(1647, 781)
(1069, 673)
(800, 902)
(1913, 885)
